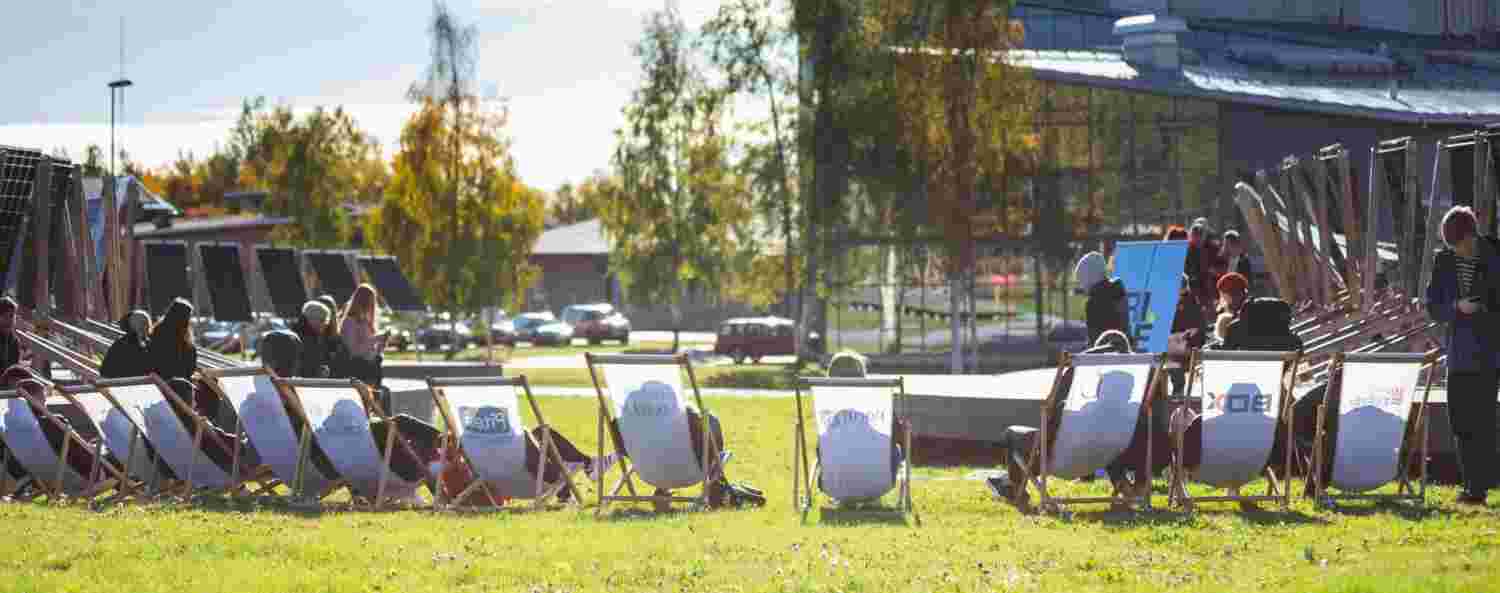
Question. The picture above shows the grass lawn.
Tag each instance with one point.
(965, 542)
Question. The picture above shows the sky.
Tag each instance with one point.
(565, 67)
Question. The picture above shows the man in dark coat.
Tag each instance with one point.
(10, 346)
(1464, 295)
(130, 355)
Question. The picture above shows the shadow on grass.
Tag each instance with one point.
(1401, 510)
(1159, 516)
(833, 516)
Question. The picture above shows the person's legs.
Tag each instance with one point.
(1471, 413)
(403, 463)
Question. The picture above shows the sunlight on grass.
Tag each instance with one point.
(966, 541)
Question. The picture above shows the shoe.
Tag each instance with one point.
(1472, 498)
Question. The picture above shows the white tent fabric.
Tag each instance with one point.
(342, 428)
(1099, 416)
(264, 418)
(493, 435)
(116, 429)
(1374, 404)
(648, 403)
(22, 432)
(855, 440)
(1241, 399)
(169, 436)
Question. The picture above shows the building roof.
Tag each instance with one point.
(151, 204)
(584, 238)
(1448, 93)
(1291, 66)
(209, 224)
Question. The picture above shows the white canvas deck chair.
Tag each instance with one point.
(21, 419)
(643, 394)
(484, 424)
(152, 410)
(338, 411)
(262, 416)
(1244, 397)
(1087, 421)
(1374, 395)
(857, 458)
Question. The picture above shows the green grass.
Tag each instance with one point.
(965, 542)
(762, 376)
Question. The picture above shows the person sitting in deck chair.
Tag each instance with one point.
(853, 365)
(281, 353)
(25, 380)
(173, 354)
(10, 346)
(322, 349)
(654, 390)
(457, 475)
(130, 355)
(218, 446)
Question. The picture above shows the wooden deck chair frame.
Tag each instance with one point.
(372, 410)
(804, 489)
(142, 489)
(1416, 428)
(710, 459)
(184, 487)
(304, 439)
(263, 476)
(102, 477)
(1278, 488)
(1042, 452)
(547, 447)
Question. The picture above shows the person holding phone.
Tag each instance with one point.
(1464, 295)
(360, 328)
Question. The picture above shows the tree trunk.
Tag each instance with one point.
(889, 320)
(956, 325)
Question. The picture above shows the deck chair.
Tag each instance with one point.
(856, 453)
(262, 416)
(1244, 397)
(1087, 421)
(484, 424)
(338, 410)
(157, 416)
(21, 419)
(1374, 394)
(642, 395)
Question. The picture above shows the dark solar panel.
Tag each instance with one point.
(17, 175)
(385, 273)
(226, 282)
(283, 278)
(334, 275)
(166, 275)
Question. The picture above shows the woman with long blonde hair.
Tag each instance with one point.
(360, 328)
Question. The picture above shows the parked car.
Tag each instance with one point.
(445, 335)
(220, 336)
(752, 338)
(554, 332)
(597, 323)
(401, 339)
(521, 328)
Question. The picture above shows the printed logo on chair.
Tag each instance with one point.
(1237, 402)
(485, 420)
(829, 420)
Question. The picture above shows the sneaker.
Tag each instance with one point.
(1471, 498)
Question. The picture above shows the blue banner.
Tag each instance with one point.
(1152, 273)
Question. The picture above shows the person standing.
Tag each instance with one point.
(1464, 295)
(1235, 259)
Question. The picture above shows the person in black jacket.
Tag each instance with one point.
(10, 347)
(322, 349)
(129, 356)
(1105, 309)
(173, 355)
(1464, 295)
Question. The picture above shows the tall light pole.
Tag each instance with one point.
(120, 86)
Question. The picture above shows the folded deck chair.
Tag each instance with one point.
(1087, 421)
(264, 418)
(643, 395)
(857, 455)
(21, 427)
(156, 414)
(339, 410)
(483, 420)
(1244, 397)
(1374, 395)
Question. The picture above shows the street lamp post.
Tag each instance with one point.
(118, 85)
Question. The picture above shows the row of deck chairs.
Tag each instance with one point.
(1243, 413)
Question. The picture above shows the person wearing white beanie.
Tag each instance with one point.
(1106, 307)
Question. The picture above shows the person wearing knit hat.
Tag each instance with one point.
(322, 349)
(1106, 308)
(1233, 291)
